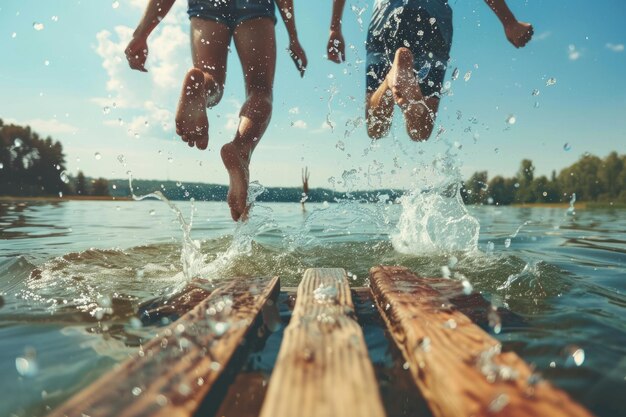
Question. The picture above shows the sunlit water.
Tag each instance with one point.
(72, 275)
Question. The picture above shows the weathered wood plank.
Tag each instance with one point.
(323, 369)
(173, 372)
(458, 367)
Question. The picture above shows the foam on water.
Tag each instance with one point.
(434, 217)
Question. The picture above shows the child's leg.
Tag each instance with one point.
(256, 46)
(379, 111)
(204, 83)
(419, 112)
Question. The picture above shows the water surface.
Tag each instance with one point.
(72, 275)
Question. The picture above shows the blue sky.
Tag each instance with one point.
(60, 79)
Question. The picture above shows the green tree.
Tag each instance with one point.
(502, 190)
(100, 187)
(30, 165)
(81, 184)
(474, 191)
(582, 178)
(525, 177)
(609, 173)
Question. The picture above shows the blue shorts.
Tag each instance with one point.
(428, 39)
(231, 12)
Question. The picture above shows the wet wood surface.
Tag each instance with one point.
(176, 370)
(323, 368)
(458, 367)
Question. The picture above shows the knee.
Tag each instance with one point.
(259, 105)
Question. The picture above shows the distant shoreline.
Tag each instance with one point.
(582, 205)
(64, 198)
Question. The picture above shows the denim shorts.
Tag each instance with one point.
(231, 12)
(415, 29)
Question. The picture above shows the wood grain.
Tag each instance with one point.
(323, 368)
(173, 372)
(458, 367)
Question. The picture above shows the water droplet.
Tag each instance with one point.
(450, 324)
(26, 365)
(507, 242)
(499, 403)
(38, 26)
(511, 119)
(551, 81)
(467, 287)
(535, 92)
(46, 63)
(575, 355)
(14, 35)
(64, 177)
(467, 76)
(567, 146)
(97, 156)
(115, 4)
(170, 159)
(135, 323)
(1, 165)
(455, 74)
(106, 110)
(152, 212)
(55, 18)
(17, 143)
(494, 320)
(136, 391)
(406, 366)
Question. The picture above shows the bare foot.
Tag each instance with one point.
(237, 167)
(408, 96)
(402, 80)
(192, 124)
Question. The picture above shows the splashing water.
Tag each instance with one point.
(190, 256)
(434, 217)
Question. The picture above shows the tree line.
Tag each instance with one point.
(591, 179)
(33, 166)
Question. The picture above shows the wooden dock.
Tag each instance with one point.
(323, 367)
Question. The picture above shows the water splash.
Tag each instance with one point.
(191, 257)
(433, 216)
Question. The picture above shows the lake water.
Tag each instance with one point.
(73, 273)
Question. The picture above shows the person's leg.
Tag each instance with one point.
(379, 111)
(203, 85)
(256, 46)
(419, 111)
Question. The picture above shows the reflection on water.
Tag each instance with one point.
(73, 274)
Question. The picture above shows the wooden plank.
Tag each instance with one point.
(458, 367)
(323, 369)
(173, 372)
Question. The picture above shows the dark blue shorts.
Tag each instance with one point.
(231, 12)
(416, 30)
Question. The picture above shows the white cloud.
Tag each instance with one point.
(542, 36)
(146, 101)
(572, 53)
(45, 127)
(299, 124)
(294, 110)
(324, 127)
(165, 52)
(615, 47)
